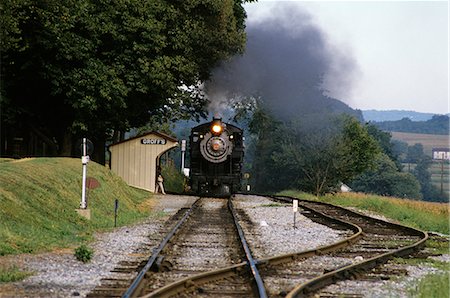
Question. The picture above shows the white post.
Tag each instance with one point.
(295, 209)
(84, 161)
(183, 150)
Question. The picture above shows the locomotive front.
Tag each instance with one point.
(216, 156)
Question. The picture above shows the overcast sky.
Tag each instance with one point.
(400, 49)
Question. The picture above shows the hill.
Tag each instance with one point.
(393, 115)
(38, 198)
(438, 124)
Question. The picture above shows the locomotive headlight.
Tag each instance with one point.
(216, 128)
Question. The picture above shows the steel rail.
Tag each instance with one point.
(136, 285)
(358, 233)
(355, 213)
(343, 273)
(251, 262)
(191, 281)
(315, 283)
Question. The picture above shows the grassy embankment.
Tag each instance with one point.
(39, 196)
(426, 216)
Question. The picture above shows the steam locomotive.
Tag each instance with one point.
(216, 156)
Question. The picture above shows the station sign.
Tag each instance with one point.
(153, 142)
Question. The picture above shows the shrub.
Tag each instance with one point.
(84, 253)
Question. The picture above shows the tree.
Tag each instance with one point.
(316, 161)
(93, 67)
(422, 173)
(414, 153)
(384, 140)
(385, 179)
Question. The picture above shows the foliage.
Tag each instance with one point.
(384, 140)
(399, 148)
(39, 196)
(315, 160)
(84, 253)
(414, 153)
(432, 285)
(438, 124)
(12, 273)
(174, 180)
(104, 66)
(427, 216)
(385, 179)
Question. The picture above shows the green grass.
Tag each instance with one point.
(12, 273)
(432, 285)
(272, 205)
(426, 216)
(39, 196)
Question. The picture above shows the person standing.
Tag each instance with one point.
(159, 182)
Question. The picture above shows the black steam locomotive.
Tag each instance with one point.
(216, 155)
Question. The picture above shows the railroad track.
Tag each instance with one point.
(370, 242)
(203, 239)
(378, 242)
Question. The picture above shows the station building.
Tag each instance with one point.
(136, 159)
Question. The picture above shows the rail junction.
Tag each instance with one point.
(209, 250)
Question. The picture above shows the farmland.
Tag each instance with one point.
(439, 170)
(427, 140)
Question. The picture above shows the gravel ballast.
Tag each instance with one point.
(59, 274)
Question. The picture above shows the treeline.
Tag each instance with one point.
(438, 124)
(88, 68)
(317, 157)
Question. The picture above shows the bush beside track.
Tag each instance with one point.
(38, 198)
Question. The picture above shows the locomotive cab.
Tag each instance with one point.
(216, 151)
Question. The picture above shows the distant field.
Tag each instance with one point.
(428, 141)
(439, 174)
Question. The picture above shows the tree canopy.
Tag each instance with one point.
(292, 155)
(90, 67)
(386, 179)
(438, 124)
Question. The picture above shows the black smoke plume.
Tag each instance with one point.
(289, 65)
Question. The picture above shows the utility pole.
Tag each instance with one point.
(183, 151)
(442, 176)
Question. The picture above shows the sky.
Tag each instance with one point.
(400, 49)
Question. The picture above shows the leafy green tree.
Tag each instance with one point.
(385, 179)
(399, 149)
(289, 156)
(263, 141)
(87, 68)
(423, 175)
(415, 153)
(384, 140)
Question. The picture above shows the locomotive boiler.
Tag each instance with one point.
(216, 157)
